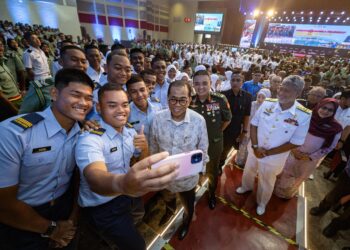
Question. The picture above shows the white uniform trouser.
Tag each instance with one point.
(267, 168)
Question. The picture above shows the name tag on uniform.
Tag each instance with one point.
(113, 149)
(135, 122)
(268, 111)
(292, 121)
(42, 149)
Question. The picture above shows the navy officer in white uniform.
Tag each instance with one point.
(278, 126)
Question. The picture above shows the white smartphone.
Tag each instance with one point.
(190, 163)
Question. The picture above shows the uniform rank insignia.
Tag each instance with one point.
(42, 149)
(129, 125)
(305, 110)
(113, 149)
(27, 121)
(99, 131)
(292, 121)
(135, 122)
(268, 111)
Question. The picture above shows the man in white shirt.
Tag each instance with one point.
(94, 70)
(35, 60)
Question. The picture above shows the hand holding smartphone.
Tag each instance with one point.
(190, 163)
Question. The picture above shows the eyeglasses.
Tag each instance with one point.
(327, 109)
(182, 101)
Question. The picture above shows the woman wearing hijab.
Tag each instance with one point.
(242, 153)
(323, 135)
(170, 73)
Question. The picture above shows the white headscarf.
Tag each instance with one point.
(199, 67)
(171, 66)
(214, 78)
(181, 75)
(265, 92)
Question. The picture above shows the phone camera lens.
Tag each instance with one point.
(196, 158)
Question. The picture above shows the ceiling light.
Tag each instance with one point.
(332, 12)
(343, 12)
(321, 13)
(302, 12)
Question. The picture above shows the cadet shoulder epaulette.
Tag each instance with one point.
(217, 94)
(27, 121)
(271, 99)
(305, 110)
(129, 125)
(29, 50)
(154, 99)
(99, 131)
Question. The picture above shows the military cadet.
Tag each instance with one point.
(13, 47)
(108, 184)
(137, 59)
(118, 72)
(162, 86)
(278, 126)
(94, 57)
(142, 109)
(35, 60)
(37, 166)
(38, 96)
(215, 109)
(16, 67)
(8, 85)
(150, 79)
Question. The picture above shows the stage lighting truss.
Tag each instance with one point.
(303, 16)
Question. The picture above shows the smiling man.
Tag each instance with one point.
(278, 126)
(142, 109)
(162, 86)
(37, 166)
(137, 59)
(108, 185)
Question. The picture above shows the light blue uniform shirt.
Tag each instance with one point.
(161, 92)
(137, 118)
(113, 148)
(40, 159)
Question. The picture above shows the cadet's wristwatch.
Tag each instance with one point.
(49, 230)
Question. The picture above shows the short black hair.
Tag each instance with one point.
(117, 46)
(90, 46)
(133, 79)
(65, 76)
(114, 53)
(147, 72)
(157, 59)
(180, 83)
(136, 50)
(64, 49)
(109, 87)
(201, 73)
(345, 94)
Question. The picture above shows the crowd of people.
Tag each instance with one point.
(82, 123)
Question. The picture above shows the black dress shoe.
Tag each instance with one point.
(330, 231)
(183, 231)
(316, 211)
(212, 202)
(166, 217)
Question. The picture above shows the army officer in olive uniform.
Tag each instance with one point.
(215, 109)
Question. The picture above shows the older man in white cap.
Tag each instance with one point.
(278, 126)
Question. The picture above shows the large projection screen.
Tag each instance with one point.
(247, 34)
(315, 35)
(208, 22)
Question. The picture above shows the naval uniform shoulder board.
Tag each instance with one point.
(154, 99)
(271, 99)
(217, 94)
(99, 131)
(129, 125)
(305, 110)
(27, 121)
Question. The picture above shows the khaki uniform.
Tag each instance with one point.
(8, 85)
(14, 63)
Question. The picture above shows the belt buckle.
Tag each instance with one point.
(52, 202)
